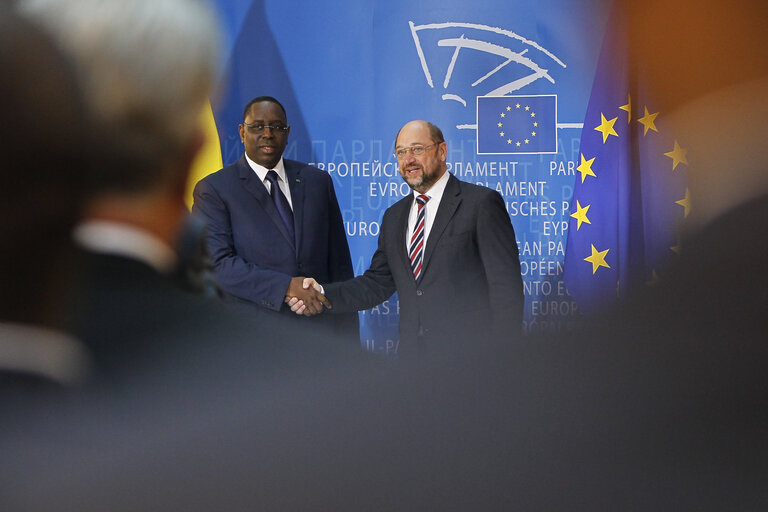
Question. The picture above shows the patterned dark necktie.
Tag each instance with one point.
(281, 203)
(416, 250)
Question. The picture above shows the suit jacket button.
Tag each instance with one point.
(419, 293)
(300, 265)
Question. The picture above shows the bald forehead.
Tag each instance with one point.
(415, 132)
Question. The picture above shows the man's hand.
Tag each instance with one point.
(310, 281)
(304, 297)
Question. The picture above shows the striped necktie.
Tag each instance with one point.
(416, 250)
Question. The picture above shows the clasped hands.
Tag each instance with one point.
(304, 296)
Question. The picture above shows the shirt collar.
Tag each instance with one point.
(45, 352)
(109, 237)
(262, 171)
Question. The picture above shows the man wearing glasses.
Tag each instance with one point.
(448, 249)
(271, 219)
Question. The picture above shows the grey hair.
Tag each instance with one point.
(146, 66)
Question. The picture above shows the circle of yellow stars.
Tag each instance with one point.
(534, 124)
(607, 129)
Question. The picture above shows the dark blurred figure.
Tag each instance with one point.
(661, 406)
(43, 176)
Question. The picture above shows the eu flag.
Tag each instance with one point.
(517, 124)
(630, 193)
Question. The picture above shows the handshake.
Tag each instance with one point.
(304, 296)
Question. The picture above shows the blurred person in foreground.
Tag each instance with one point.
(44, 177)
(660, 406)
(147, 68)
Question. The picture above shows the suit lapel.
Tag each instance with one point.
(252, 184)
(448, 205)
(296, 186)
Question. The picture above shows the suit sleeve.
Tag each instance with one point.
(363, 292)
(236, 276)
(339, 258)
(501, 261)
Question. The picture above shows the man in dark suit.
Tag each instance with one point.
(264, 231)
(453, 261)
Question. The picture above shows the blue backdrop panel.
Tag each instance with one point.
(351, 73)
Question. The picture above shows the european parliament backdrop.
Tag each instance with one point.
(507, 81)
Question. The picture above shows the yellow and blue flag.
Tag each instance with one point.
(630, 192)
(208, 159)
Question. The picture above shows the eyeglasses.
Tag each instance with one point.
(258, 128)
(416, 150)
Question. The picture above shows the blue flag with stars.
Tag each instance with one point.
(630, 193)
(517, 124)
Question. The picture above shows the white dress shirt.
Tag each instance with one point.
(261, 172)
(435, 194)
(107, 237)
(44, 352)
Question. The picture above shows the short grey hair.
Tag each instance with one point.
(146, 66)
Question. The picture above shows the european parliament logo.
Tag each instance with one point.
(488, 62)
(520, 125)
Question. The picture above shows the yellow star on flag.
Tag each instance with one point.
(581, 214)
(501, 134)
(509, 108)
(685, 202)
(585, 168)
(678, 155)
(503, 114)
(678, 247)
(606, 127)
(628, 108)
(648, 121)
(597, 259)
(500, 125)
(509, 141)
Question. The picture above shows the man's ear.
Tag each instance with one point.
(443, 149)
